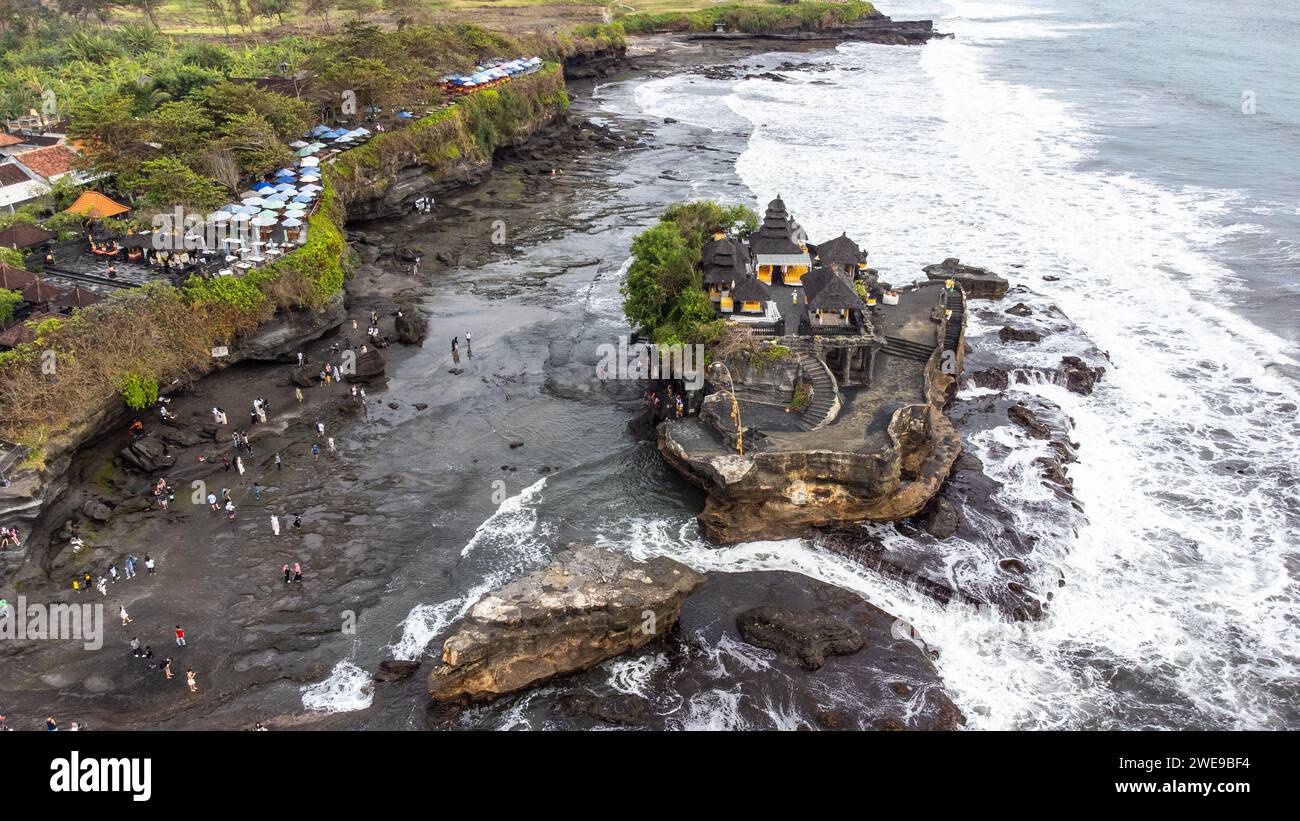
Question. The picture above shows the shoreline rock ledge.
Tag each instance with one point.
(587, 606)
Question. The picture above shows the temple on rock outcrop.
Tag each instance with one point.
(824, 404)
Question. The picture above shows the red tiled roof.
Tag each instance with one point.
(7, 140)
(49, 162)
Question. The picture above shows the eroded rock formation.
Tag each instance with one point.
(586, 606)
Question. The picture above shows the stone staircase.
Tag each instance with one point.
(825, 402)
(955, 302)
(906, 349)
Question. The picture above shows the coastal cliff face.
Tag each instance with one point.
(33, 490)
(449, 149)
(444, 151)
(789, 493)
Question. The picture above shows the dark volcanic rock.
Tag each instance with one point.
(587, 606)
(941, 518)
(184, 437)
(396, 670)
(995, 378)
(412, 326)
(1080, 378)
(305, 376)
(624, 709)
(806, 637)
(96, 511)
(369, 367)
(148, 453)
(1020, 309)
(1026, 419)
(979, 283)
(1009, 334)
(858, 689)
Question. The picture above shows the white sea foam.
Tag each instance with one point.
(348, 688)
(632, 676)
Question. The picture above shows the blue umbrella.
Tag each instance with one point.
(303, 198)
(261, 186)
(285, 172)
(285, 187)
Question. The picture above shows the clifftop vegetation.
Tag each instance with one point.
(663, 296)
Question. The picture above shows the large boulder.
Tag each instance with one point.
(411, 326)
(1080, 378)
(979, 283)
(587, 606)
(95, 510)
(148, 453)
(369, 367)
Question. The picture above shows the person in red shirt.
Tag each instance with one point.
(180, 636)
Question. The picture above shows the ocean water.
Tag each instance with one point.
(1135, 164)
(1100, 153)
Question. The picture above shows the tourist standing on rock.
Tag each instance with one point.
(130, 565)
(297, 520)
(86, 582)
(212, 501)
(135, 647)
(279, 463)
(230, 510)
(300, 359)
(320, 429)
(275, 524)
(239, 464)
(102, 586)
(330, 444)
(180, 637)
(147, 653)
(287, 575)
(257, 490)
(192, 681)
(297, 572)
(167, 669)
(297, 393)
(315, 452)
(121, 614)
(149, 564)
(225, 460)
(112, 573)
(216, 414)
